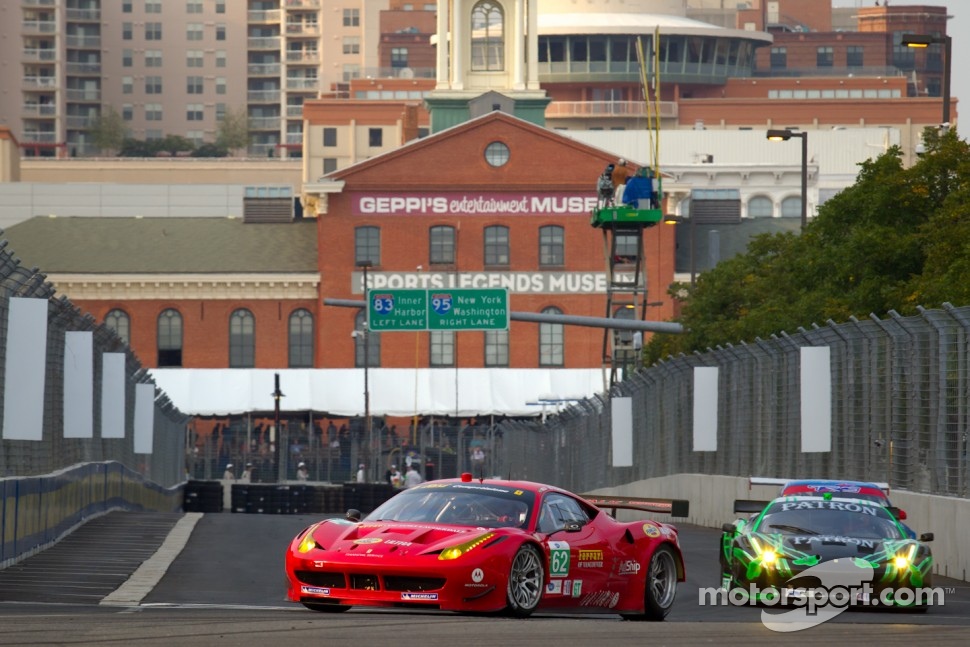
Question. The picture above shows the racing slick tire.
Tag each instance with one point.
(660, 587)
(326, 608)
(526, 582)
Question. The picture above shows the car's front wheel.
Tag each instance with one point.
(526, 577)
(660, 587)
(325, 608)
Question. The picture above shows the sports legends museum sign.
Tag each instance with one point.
(514, 282)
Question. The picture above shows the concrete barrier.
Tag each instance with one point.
(712, 504)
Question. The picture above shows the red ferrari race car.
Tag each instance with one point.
(489, 546)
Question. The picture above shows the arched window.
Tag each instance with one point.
(118, 321)
(496, 245)
(301, 339)
(169, 338)
(551, 342)
(488, 37)
(791, 207)
(367, 344)
(242, 339)
(552, 246)
(442, 239)
(760, 207)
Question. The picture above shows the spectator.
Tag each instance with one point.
(395, 477)
(478, 460)
(228, 475)
(619, 177)
(413, 477)
(302, 473)
(361, 474)
(247, 475)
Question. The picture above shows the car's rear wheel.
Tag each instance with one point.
(660, 587)
(325, 608)
(526, 577)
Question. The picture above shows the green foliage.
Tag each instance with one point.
(167, 147)
(233, 132)
(897, 239)
(109, 130)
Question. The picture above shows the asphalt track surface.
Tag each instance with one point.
(217, 579)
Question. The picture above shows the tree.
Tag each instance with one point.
(109, 130)
(896, 239)
(233, 130)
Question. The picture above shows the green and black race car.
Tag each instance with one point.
(768, 554)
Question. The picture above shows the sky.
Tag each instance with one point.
(958, 27)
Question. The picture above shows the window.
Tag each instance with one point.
(126, 31)
(442, 345)
(153, 31)
(488, 37)
(194, 112)
(779, 58)
(627, 245)
(193, 31)
(169, 338)
(197, 137)
(558, 510)
(193, 6)
(220, 6)
(153, 6)
(127, 57)
(125, 6)
(220, 111)
(220, 31)
(399, 57)
(375, 137)
(824, 57)
(791, 207)
(193, 85)
(118, 321)
(127, 112)
(351, 45)
(551, 250)
(367, 344)
(497, 154)
(220, 58)
(153, 58)
(853, 56)
(367, 245)
(329, 165)
(496, 245)
(301, 339)
(127, 85)
(496, 348)
(442, 241)
(153, 85)
(351, 17)
(220, 85)
(329, 136)
(551, 342)
(760, 207)
(351, 71)
(242, 339)
(153, 112)
(194, 58)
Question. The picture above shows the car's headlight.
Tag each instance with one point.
(769, 557)
(308, 543)
(457, 551)
(904, 559)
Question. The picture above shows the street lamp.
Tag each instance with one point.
(676, 220)
(783, 136)
(366, 332)
(922, 41)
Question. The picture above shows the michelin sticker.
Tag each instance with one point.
(419, 596)
(314, 590)
(554, 587)
(558, 559)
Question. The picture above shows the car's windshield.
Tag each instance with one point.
(829, 518)
(464, 504)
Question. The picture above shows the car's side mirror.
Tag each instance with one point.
(729, 528)
(926, 536)
(572, 526)
(353, 514)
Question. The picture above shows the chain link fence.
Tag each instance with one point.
(165, 465)
(900, 400)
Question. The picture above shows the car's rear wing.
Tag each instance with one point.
(673, 507)
(767, 480)
(749, 505)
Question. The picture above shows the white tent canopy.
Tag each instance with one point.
(393, 391)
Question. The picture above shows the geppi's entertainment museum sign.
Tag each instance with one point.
(459, 203)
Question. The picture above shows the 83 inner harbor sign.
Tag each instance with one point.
(438, 309)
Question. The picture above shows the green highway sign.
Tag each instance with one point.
(468, 309)
(439, 309)
(390, 310)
